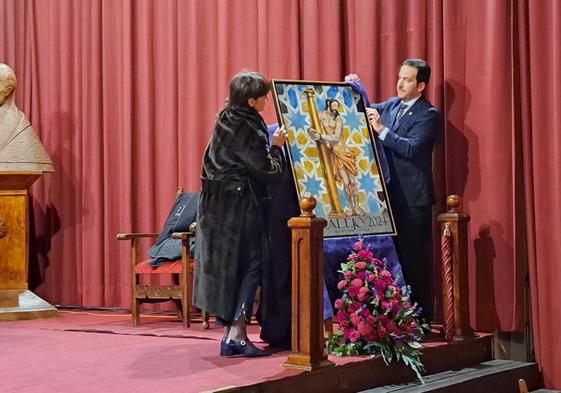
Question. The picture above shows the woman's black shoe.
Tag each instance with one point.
(242, 347)
(227, 349)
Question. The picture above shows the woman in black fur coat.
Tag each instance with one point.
(232, 239)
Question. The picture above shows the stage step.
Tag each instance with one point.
(496, 376)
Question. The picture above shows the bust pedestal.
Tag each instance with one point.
(16, 300)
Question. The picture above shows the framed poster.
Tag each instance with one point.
(333, 156)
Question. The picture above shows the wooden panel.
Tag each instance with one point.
(12, 241)
(19, 180)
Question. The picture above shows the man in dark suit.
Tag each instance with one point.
(407, 126)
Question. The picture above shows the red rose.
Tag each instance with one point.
(353, 306)
(355, 319)
(381, 332)
(358, 246)
(353, 291)
(365, 329)
(380, 285)
(342, 284)
(364, 254)
(391, 326)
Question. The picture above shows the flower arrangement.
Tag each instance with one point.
(375, 316)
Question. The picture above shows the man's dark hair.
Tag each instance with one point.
(423, 69)
(246, 85)
(329, 101)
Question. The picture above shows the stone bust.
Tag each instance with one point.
(20, 147)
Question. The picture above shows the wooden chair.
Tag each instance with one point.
(181, 270)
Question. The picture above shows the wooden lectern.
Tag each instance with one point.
(308, 343)
(16, 300)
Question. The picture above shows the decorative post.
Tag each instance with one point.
(308, 342)
(455, 283)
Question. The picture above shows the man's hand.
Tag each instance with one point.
(374, 119)
(314, 135)
(279, 137)
(351, 78)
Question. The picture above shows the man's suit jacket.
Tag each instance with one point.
(408, 146)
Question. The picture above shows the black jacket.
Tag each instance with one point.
(237, 167)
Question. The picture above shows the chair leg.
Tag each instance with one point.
(205, 320)
(185, 306)
(135, 312)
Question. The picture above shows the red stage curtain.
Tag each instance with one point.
(124, 93)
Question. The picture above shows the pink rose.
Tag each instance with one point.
(370, 319)
(339, 304)
(371, 278)
(378, 262)
(357, 282)
(358, 246)
(355, 319)
(362, 296)
(342, 284)
(361, 275)
(348, 274)
(385, 274)
(354, 336)
(360, 265)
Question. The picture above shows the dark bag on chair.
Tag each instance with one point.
(181, 216)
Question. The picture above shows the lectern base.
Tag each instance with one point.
(303, 362)
(29, 306)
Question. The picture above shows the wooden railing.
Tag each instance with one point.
(455, 294)
(308, 350)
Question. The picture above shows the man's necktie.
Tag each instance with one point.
(400, 113)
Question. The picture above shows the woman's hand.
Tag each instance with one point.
(279, 137)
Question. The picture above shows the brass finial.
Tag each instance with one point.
(454, 204)
(308, 204)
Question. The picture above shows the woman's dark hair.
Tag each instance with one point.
(246, 85)
(423, 69)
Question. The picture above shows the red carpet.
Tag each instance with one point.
(102, 352)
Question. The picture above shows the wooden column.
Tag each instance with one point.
(454, 223)
(308, 342)
(16, 301)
